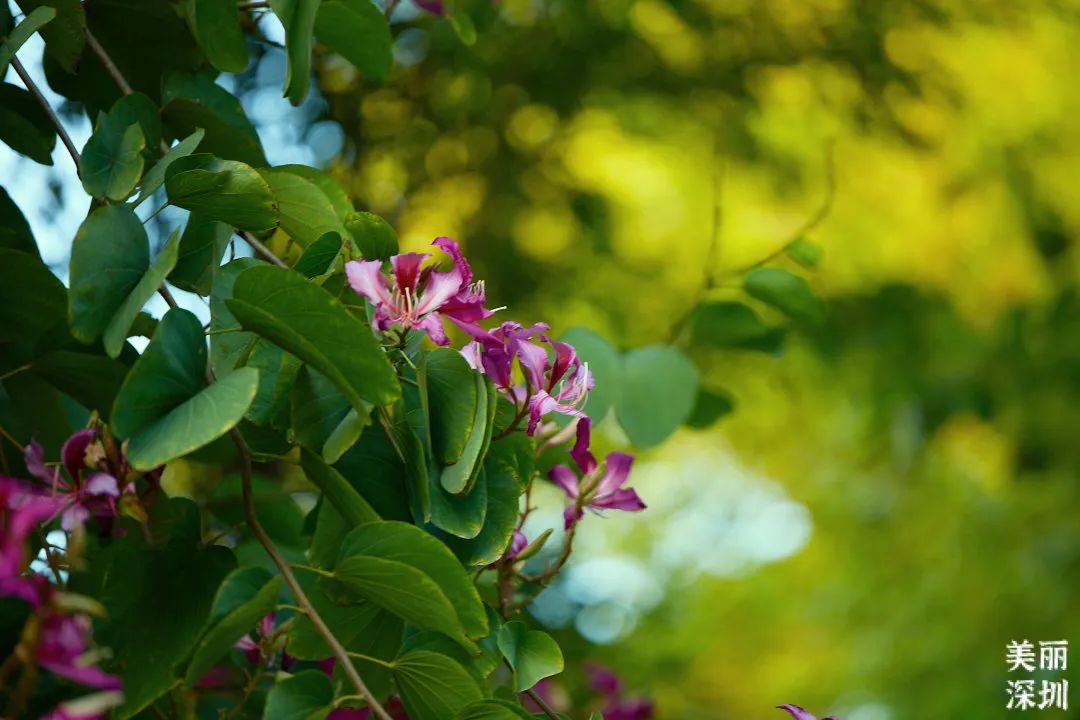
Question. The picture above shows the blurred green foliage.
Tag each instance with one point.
(579, 149)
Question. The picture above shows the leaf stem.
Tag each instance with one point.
(261, 250)
(302, 600)
(368, 658)
(36, 92)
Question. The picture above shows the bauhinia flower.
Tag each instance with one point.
(616, 707)
(600, 486)
(800, 714)
(63, 651)
(80, 497)
(21, 511)
(419, 297)
(556, 383)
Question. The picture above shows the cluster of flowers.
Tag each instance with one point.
(98, 484)
(553, 379)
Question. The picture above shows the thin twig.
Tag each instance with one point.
(254, 5)
(261, 250)
(391, 5)
(535, 697)
(108, 64)
(36, 92)
(339, 652)
(168, 296)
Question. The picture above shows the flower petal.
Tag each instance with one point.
(565, 478)
(616, 471)
(366, 278)
(571, 515)
(432, 325)
(580, 452)
(407, 270)
(34, 457)
(451, 248)
(102, 484)
(796, 712)
(623, 499)
(74, 451)
(440, 287)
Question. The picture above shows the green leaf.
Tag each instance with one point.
(229, 345)
(169, 373)
(378, 474)
(786, 292)
(22, 277)
(726, 324)
(224, 190)
(22, 32)
(298, 19)
(199, 421)
(493, 710)
(659, 388)
(463, 26)
(352, 507)
(461, 476)
(116, 332)
(277, 375)
(307, 695)
(15, 232)
(89, 379)
(319, 257)
(709, 408)
(305, 210)
(318, 408)
(433, 686)
(65, 36)
(199, 256)
(338, 197)
(112, 160)
(24, 126)
(533, 654)
(109, 257)
(244, 598)
(404, 591)
(451, 395)
(359, 32)
(374, 237)
(461, 515)
(805, 253)
(139, 108)
(605, 364)
(191, 102)
(406, 543)
(345, 435)
(155, 176)
(280, 305)
(157, 597)
(216, 24)
(504, 485)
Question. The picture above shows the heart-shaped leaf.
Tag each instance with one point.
(433, 686)
(658, 392)
(533, 654)
(224, 190)
(786, 292)
(116, 332)
(307, 695)
(359, 32)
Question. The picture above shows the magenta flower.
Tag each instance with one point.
(559, 383)
(21, 511)
(610, 686)
(799, 714)
(420, 297)
(394, 707)
(79, 498)
(63, 651)
(600, 487)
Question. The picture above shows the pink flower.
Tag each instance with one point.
(80, 498)
(21, 511)
(252, 646)
(600, 487)
(394, 707)
(63, 651)
(88, 707)
(420, 297)
(559, 383)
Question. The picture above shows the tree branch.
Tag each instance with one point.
(340, 653)
(122, 83)
(36, 92)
